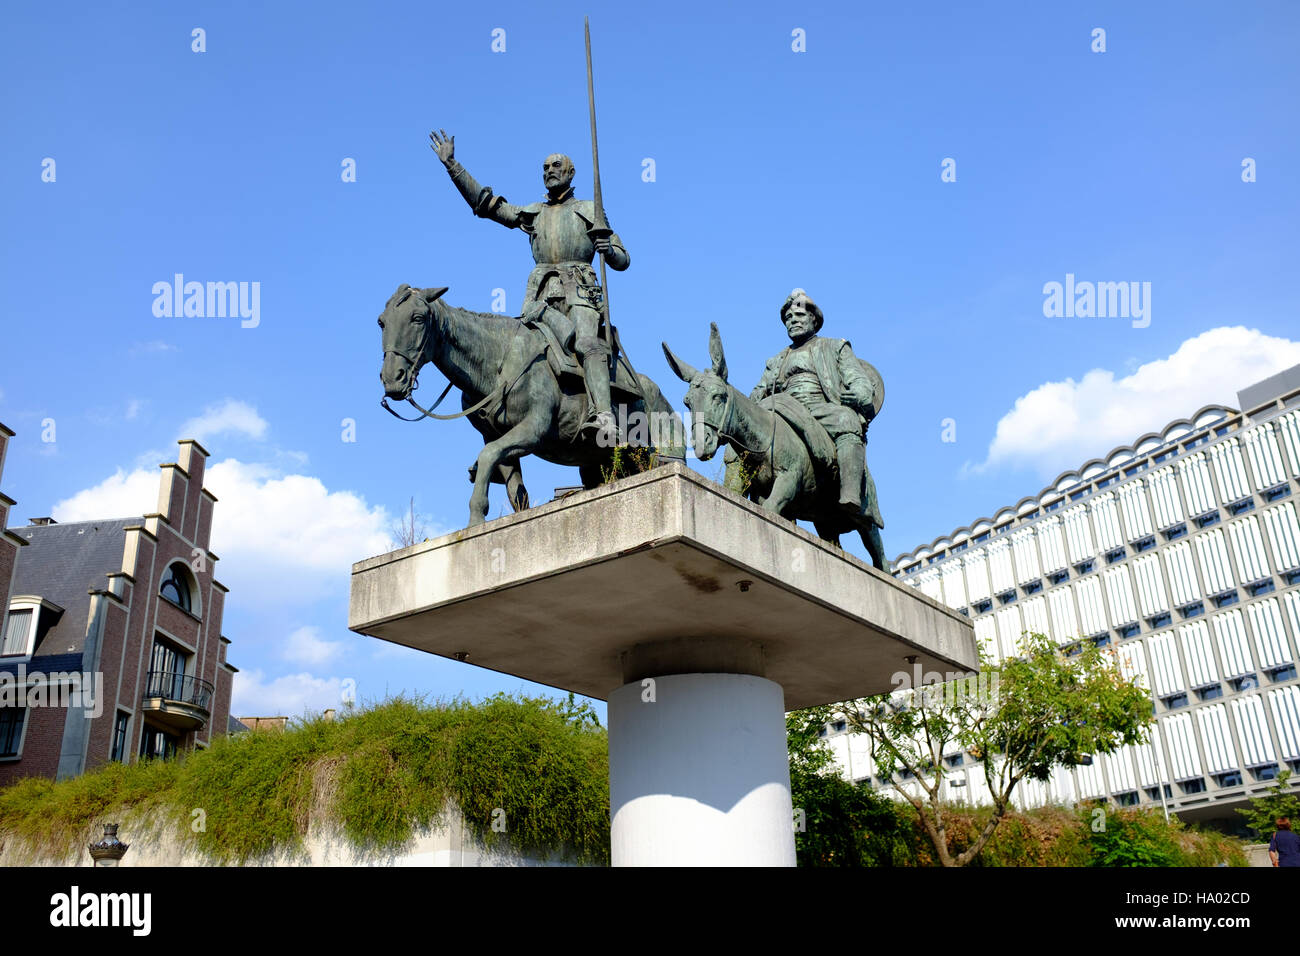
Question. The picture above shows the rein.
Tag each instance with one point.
(497, 394)
(724, 429)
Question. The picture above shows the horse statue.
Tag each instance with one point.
(511, 392)
(773, 466)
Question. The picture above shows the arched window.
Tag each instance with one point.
(176, 587)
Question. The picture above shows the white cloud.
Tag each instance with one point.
(122, 495)
(306, 646)
(290, 695)
(281, 539)
(230, 416)
(1059, 425)
(133, 408)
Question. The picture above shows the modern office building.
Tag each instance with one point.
(110, 633)
(1182, 554)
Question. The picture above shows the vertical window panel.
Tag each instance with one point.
(1233, 649)
(1137, 513)
(1265, 458)
(1252, 563)
(1195, 471)
(1270, 634)
(1214, 561)
(1078, 534)
(1284, 533)
(1105, 518)
(1065, 626)
(1119, 588)
(1202, 669)
(1166, 673)
(1165, 498)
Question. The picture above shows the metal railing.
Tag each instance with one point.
(173, 685)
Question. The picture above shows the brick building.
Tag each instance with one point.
(112, 646)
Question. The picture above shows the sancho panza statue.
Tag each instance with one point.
(558, 230)
(827, 378)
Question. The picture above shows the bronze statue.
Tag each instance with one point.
(825, 376)
(516, 391)
(797, 443)
(562, 233)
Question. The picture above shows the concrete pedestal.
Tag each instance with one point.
(698, 772)
(594, 594)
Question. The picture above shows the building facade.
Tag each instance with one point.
(112, 646)
(1182, 554)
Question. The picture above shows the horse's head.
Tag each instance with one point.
(406, 326)
(708, 396)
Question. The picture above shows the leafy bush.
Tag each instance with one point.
(377, 775)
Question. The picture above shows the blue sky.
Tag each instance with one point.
(773, 169)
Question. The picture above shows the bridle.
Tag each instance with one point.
(417, 362)
(724, 428)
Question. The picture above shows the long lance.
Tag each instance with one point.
(600, 229)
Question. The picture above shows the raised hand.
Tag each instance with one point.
(443, 145)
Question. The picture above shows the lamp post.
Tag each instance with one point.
(110, 850)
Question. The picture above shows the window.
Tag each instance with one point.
(166, 672)
(1204, 521)
(1230, 779)
(1129, 630)
(1175, 701)
(11, 730)
(1059, 576)
(1196, 785)
(17, 630)
(839, 726)
(1160, 620)
(1263, 587)
(1283, 673)
(1281, 491)
(158, 743)
(119, 736)
(956, 760)
(1245, 682)
(1146, 544)
(1119, 554)
(1129, 799)
(1192, 610)
(1226, 598)
(176, 587)
(1240, 507)
(1209, 693)
(1176, 532)
(1266, 772)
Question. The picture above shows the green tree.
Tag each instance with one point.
(837, 823)
(1018, 720)
(1282, 800)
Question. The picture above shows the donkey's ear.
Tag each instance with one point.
(715, 352)
(431, 294)
(680, 369)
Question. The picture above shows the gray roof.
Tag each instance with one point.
(1270, 388)
(61, 563)
(235, 726)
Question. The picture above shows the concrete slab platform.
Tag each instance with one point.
(664, 572)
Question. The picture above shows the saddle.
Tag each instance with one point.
(623, 382)
(820, 446)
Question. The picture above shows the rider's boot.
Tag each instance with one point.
(850, 452)
(600, 422)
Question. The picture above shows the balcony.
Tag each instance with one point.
(177, 701)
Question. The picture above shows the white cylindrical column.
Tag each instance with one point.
(699, 773)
